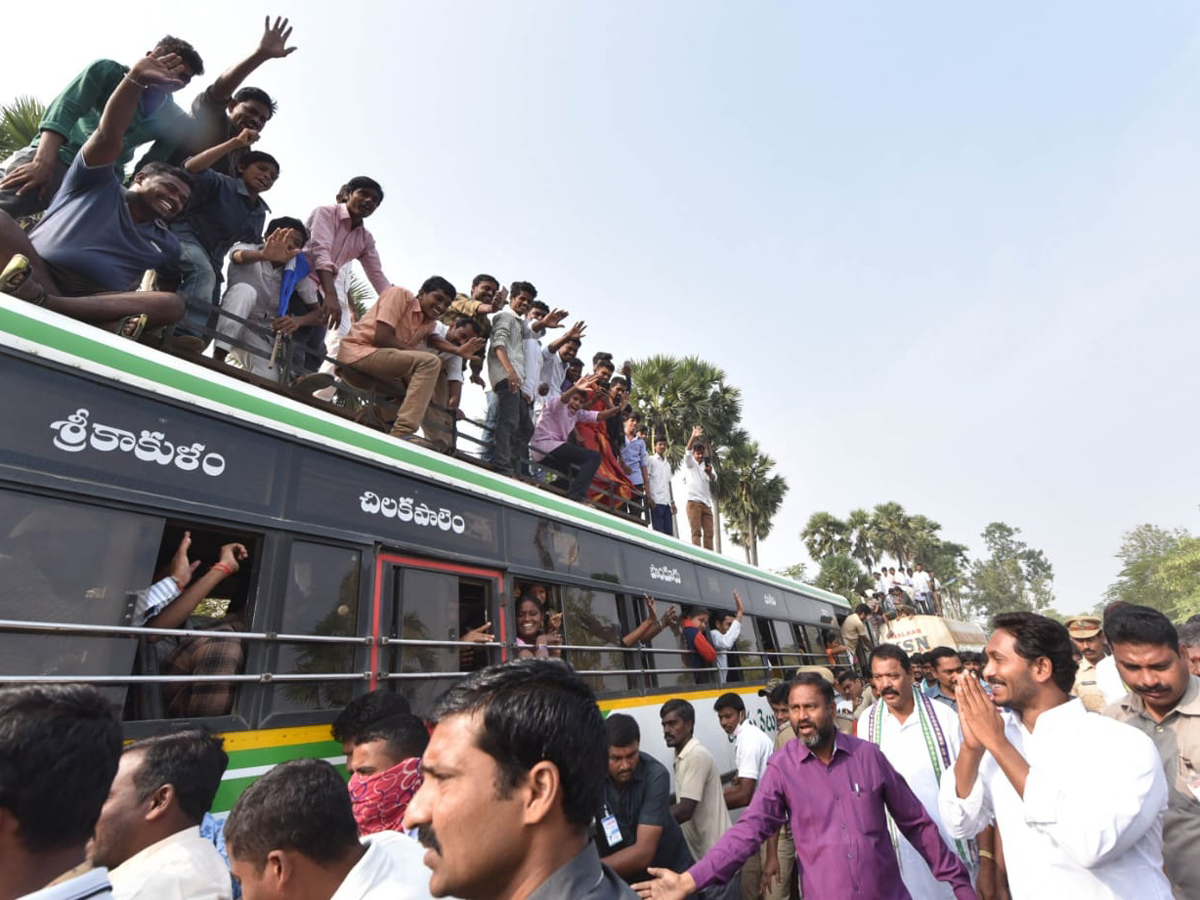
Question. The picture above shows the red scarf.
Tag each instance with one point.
(380, 800)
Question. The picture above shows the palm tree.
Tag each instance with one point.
(824, 535)
(862, 537)
(893, 530)
(753, 496)
(19, 122)
(843, 575)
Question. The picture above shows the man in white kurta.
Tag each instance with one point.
(1078, 798)
(921, 739)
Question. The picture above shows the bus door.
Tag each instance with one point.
(425, 613)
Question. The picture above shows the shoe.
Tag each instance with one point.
(133, 326)
(17, 273)
(184, 345)
(309, 384)
(413, 439)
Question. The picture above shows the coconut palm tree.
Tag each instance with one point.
(862, 537)
(893, 531)
(752, 497)
(19, 120)
(842, 574)
(824, 535)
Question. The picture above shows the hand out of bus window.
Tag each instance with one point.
(480, 635)
(182, 569)
(231, 555)
(555, 622)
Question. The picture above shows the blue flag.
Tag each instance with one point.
(293, 271)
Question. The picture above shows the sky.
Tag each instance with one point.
(947, 252)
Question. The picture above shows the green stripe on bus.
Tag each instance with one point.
(267, 756)
(264, 406)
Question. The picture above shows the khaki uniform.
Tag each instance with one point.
(1177, 738)
(1086, 688)
(786, 849)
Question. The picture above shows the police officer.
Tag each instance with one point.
(1086, 634)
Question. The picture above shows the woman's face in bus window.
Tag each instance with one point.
(529, 620)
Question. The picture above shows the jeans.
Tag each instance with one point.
(514, 428)
(660, 518)
(488, 447)
(198, 286)
(30, 203)
(564, 456)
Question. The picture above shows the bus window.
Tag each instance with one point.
(537, 622)
(668, 655)
(320, 598)
(68, 563)
(435, 606)
(788, 649)
(218, 567)
(746, 664)
(593, 620)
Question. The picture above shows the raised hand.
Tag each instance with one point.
(166, 72)
(576, 331)
(982, 725)
(273, 43)
(697, 432)
(276, 249)
(501, 298)
(247, 137)
(553, 319)
(652, 611)
(480, 635)
(182, 569)
(232, 555)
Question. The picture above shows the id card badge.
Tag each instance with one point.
(1193, 783)
(612, 831)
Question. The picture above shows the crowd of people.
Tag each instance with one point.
(940, 779)
(188, 250)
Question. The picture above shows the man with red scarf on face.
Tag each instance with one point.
(385, 772)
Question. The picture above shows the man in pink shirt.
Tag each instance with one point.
(551, 437)
(388, 344)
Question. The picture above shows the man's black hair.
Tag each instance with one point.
(252, 156)
(813, 679)
(618, 379)
(918, 659)
(468, 322)
(482, 277)
(698, 448)
(406, 735)
(539, 305)
(258, 95)
(601, 356)
(779, 694)
(694, 611)
(1188, 634)
(522, 287)
(622, 730)
(186, 51)
(937, 654)
(191, 761)
(845, 674)
(679, 707)
(862, 610)
(532, 710)
(162, 168)
(1132, 624)
(361, 181)
(299, 805)
(59, 750)
(1037, 636)
(287, 222)
(363, 712)
(729, 700)
(438, 283)
(891, 651)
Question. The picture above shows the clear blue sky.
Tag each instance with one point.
(948, 253)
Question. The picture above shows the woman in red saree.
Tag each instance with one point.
(611, 487)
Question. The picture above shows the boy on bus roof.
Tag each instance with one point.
(86, 257)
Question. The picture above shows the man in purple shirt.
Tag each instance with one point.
(836, 792)
(551, 437)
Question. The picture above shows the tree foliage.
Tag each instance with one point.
(1160, 569)
(1013, 577)
(19, 120)
(753, 496)
(841, 574)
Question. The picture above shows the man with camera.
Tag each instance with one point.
(700, 477)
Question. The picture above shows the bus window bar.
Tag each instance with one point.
(263, 678)
(143, 631)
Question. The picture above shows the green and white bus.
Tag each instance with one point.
(368, 557)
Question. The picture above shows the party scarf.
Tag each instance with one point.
(380, 800)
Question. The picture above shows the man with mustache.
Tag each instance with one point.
(292, 836)
(1078, 798)
(1164, 704)
(514, 772)
(921, 739)
(836, 791)
(1089, 640)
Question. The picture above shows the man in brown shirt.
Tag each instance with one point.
(1164, 703)
(388, 345)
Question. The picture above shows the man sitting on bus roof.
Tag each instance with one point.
(388, 345)
(149, 830)
(87, 256)
(551, 437)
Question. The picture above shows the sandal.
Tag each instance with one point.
(133, 326)
(16, 275)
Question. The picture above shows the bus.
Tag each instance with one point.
(368, 559)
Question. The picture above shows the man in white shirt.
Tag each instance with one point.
(292, 834)
(751, 750)
(60, 745)
(921, 739)
(921, 590)
(1078, 798)
(149, 830)
(725, 635)
(662, 501)
(699, 490)
(556, 358)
